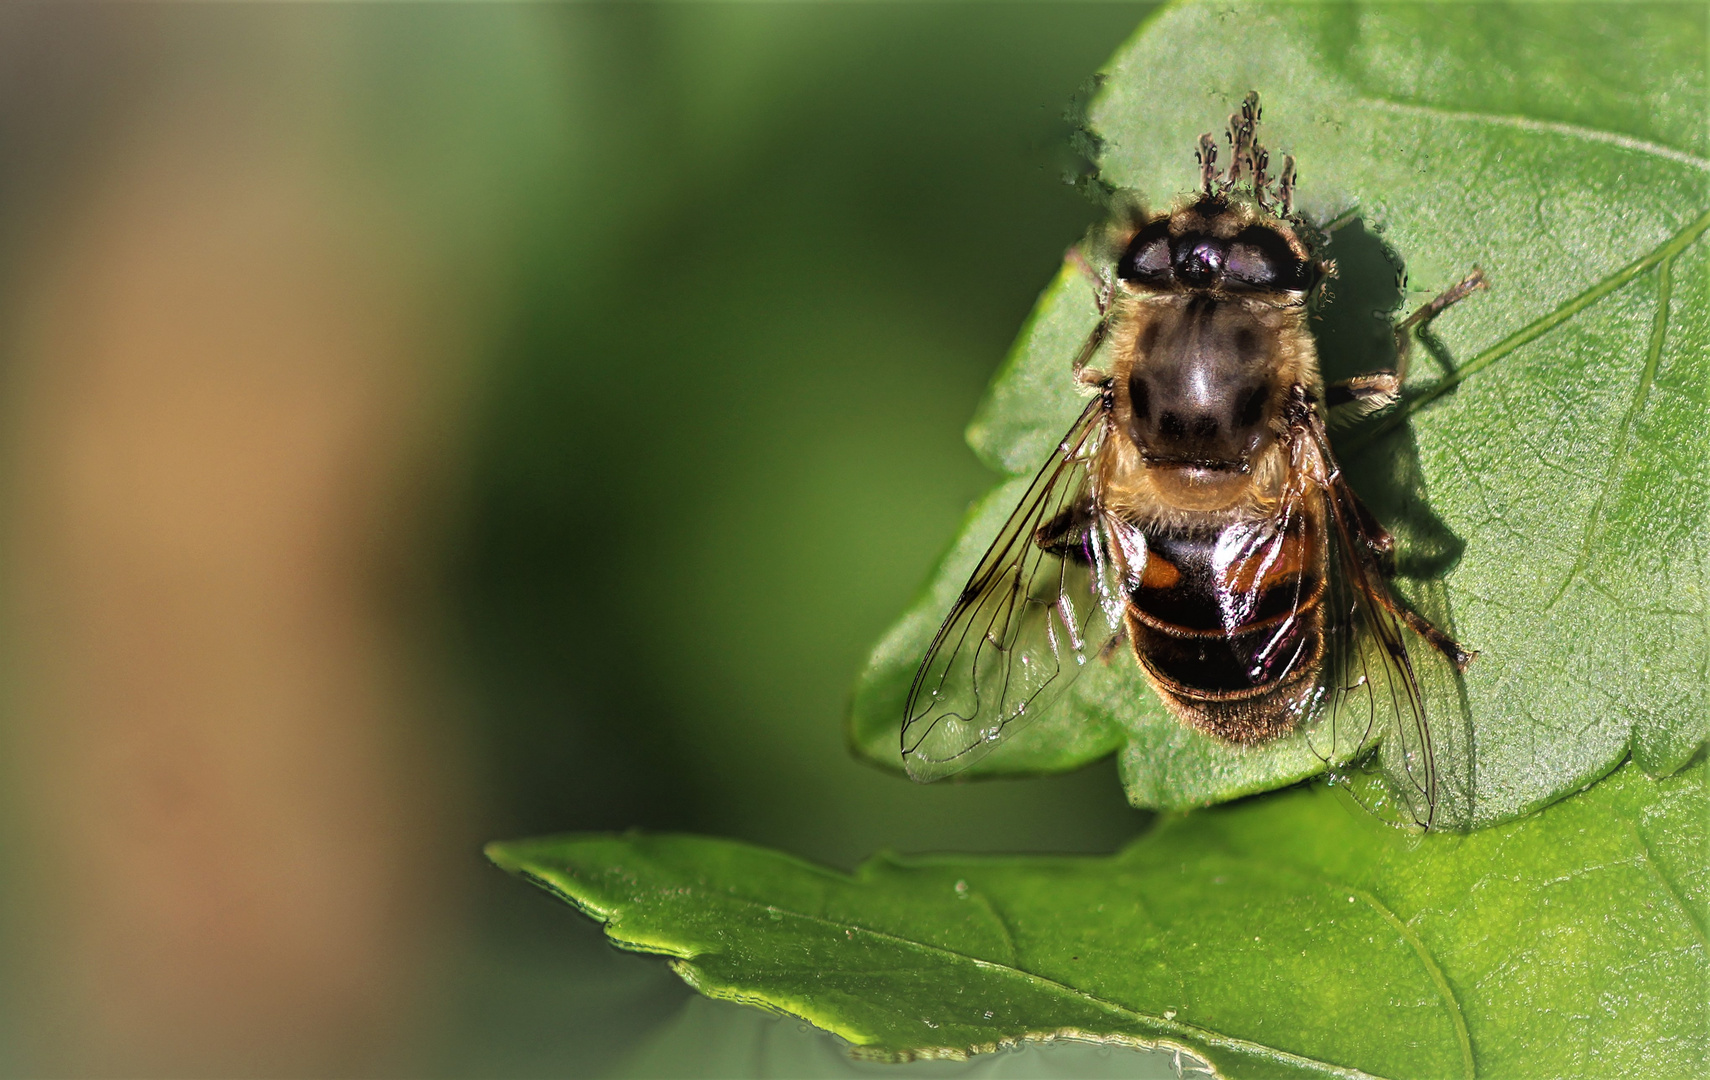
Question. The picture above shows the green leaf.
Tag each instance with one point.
(1546, 477)
(1287, 936)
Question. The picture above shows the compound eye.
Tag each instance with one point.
(1260, 258)
(1147, 260)
(1250, 265)
(1199, 259)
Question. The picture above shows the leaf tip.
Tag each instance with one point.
(502, 853)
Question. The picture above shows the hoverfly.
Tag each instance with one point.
(1195, 507)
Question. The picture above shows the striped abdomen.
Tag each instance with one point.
(1230, 625)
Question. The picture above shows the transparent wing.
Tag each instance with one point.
(1037, 608)
(1375, 655)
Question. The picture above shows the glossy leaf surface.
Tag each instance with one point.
(1546, 475)
(1286, 936)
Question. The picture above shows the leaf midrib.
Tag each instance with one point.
(1206, 1036)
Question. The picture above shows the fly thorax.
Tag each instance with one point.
(1201, 397)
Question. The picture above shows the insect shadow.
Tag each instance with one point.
(1354, 329)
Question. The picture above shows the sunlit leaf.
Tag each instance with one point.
(1546, 482)
(1546, 477)
(1286, 936)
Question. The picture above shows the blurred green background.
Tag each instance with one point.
(430, 424)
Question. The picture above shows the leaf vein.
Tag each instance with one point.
(1618, 459)
(1668, 887)
(1540, 326)
(1456, 1015)
(1003, 927)
(1177, 1027)
(1548, 127)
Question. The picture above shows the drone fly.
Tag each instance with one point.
(1195, 508)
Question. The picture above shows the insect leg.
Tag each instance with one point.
(1106, 285)
(1105, 290)
(1376, 538)
(1440, 641)
(1458, 292)
(1083, 374)
(1114, 645)
(1376, 542)
(1361, 396)
(1067, 534)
